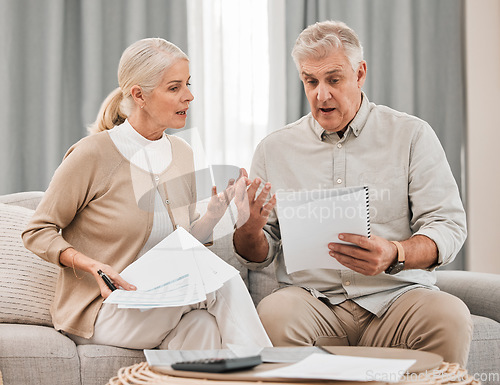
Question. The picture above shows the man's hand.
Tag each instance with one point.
(253, 211)
(368, 256)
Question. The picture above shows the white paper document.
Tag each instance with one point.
(343, 368)
(310, 220)
(177, 271)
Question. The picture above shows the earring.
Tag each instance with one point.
(142, 106)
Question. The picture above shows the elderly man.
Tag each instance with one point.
(386, 295)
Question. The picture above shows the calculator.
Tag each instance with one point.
(218, 365)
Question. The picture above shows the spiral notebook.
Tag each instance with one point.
(309, 220)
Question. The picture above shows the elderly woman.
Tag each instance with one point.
(120, 191)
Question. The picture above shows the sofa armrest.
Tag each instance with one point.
(479, 291)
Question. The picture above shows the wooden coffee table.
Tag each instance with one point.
(429, 369)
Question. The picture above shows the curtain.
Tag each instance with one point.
(229, 53)
(414, 51)
(59, 61)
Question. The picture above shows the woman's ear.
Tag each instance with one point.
(138, 95)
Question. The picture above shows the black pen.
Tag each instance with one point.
(106, 280)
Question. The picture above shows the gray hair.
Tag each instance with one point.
(143, 63)
(320, 39)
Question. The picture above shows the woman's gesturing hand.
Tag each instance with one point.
(218, 203)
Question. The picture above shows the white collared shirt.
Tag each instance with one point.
(153, 156)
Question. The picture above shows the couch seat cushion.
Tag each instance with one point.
(99, 363)
(37, 355)
(484, 355)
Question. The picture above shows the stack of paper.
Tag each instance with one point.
(310, 220)
(177, 271)
(343, 368)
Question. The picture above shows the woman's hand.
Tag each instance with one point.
(219, 203)
(80, 262)
(115, 278)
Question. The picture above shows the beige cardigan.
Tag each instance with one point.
(103, 205)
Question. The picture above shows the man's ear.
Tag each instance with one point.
(138, 95)
(361, 73)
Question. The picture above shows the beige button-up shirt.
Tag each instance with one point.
(412, 191)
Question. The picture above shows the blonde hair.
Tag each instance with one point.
(143, 63)
(320, 39)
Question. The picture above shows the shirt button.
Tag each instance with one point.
(339, 145)
(347, 283)
(339, 181)
(167, 201)
(157, 178)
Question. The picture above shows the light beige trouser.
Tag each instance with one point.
(420, 319)
(227, 316)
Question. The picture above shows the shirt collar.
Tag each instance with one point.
(356, 124)
(361, 117)
(137, 138)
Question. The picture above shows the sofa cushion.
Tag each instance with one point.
(37, 355)
(262, 282)
(223, 238)
(28, 199)
(99, 363)
(27, 283)
(484, 355)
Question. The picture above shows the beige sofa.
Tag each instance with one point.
(32, 352)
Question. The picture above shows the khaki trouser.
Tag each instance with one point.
(227, 316)
(420, 319)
